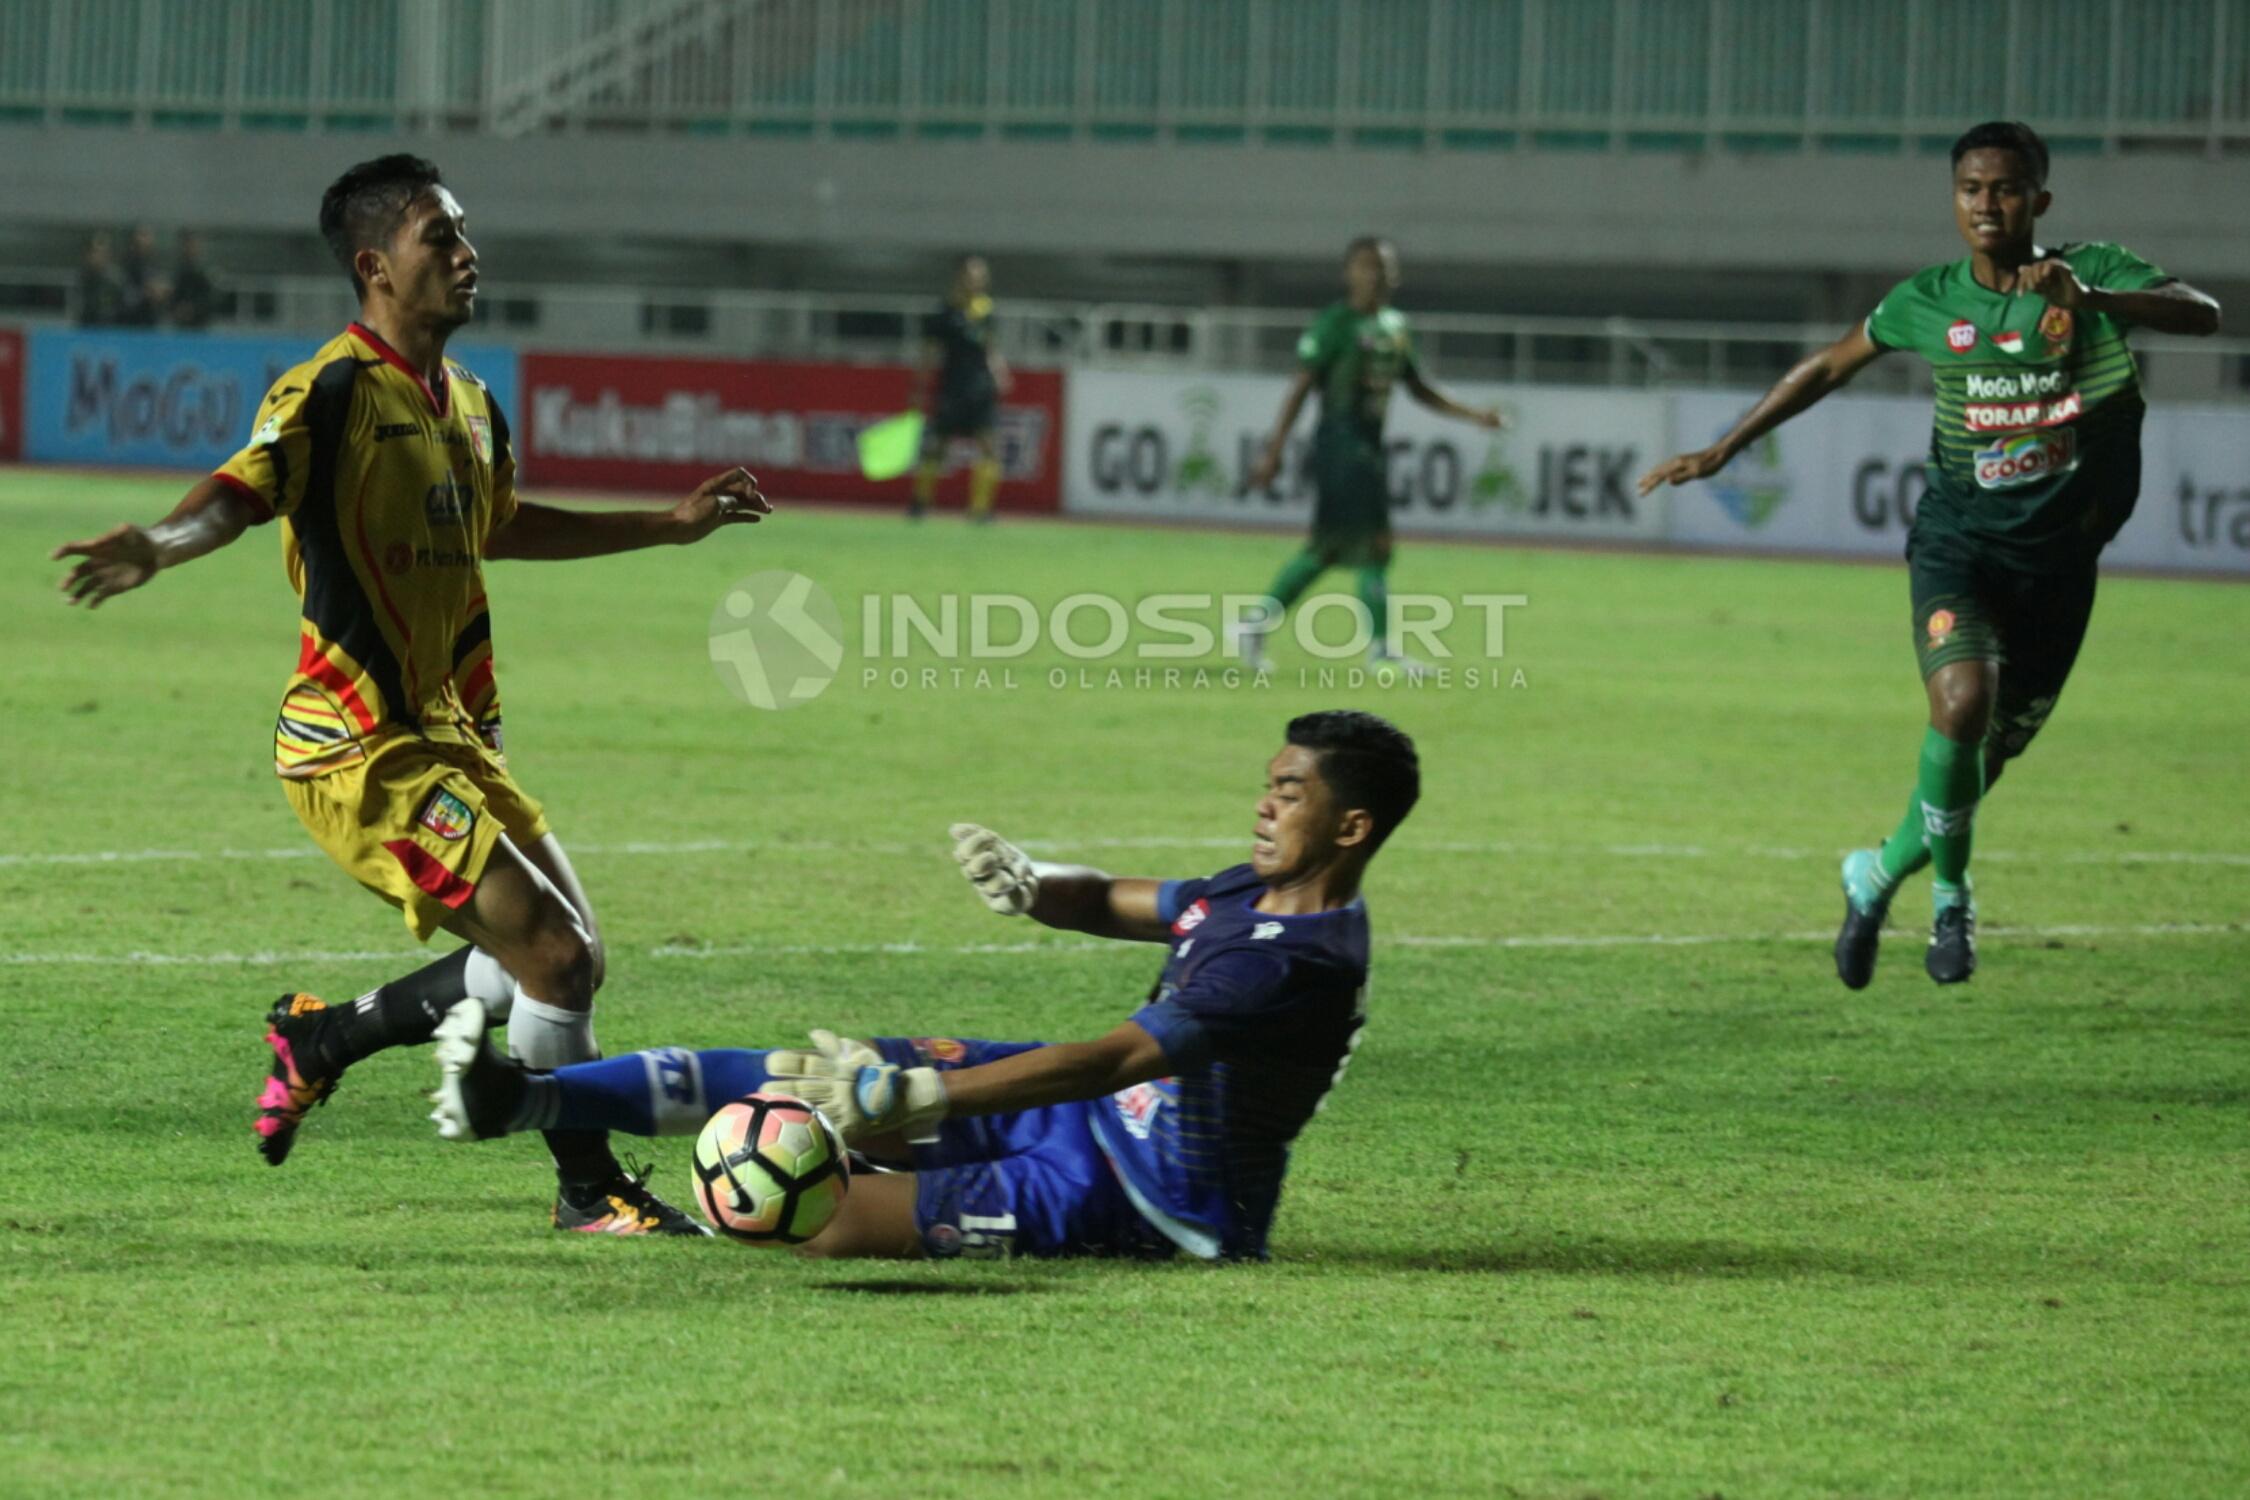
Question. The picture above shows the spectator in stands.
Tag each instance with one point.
(145, 291)
(194, 295)
(101, 290)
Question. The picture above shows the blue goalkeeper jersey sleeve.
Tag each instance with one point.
(1257, 1015)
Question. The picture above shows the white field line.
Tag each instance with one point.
(271, 959)
(936, 848)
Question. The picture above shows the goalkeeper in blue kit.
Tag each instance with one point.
(1171, 1132)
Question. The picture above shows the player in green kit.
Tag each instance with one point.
(2035, 462)
(1353, 353)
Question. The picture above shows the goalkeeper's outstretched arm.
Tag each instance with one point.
(1075, 898)
(1078, 898)
(1057, 1074)
(869, 1100)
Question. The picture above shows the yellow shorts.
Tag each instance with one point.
(416, 821)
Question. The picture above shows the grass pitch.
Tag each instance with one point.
(1623, 1194)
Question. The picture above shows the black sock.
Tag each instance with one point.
(403, 1013)
(582, 1157)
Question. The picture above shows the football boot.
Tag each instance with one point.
(297, 1079)
(1866, 906)
(1952, 955)
(478, 1089)
(622, 1205)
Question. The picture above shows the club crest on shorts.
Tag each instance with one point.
(447, 816)
(1941, 626)
(1137, 1106)
(940, 1049)
(480, 437)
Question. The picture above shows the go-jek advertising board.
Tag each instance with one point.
(1845, 477)
(174, 400)
(1164, 447)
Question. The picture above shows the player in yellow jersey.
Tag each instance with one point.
(958, 387)
(391, 472)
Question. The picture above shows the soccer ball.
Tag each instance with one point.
(769, 1170)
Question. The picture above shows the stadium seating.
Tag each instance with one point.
(1450, 74)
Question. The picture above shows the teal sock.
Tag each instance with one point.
(1375, 593)
(1951, 784)
(1296, 576)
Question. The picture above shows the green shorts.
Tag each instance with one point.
(1970, 604)
(1352, 499)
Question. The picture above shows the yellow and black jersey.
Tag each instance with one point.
(962, 332)
(386, 489)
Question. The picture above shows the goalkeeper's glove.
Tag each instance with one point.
(862, 1095)
(1003, 874)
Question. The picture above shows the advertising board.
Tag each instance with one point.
(1844, 477)
(11, 395)
(173, 400)
(639, 422)
(1166, 447)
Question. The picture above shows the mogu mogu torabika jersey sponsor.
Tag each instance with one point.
(2036, 443)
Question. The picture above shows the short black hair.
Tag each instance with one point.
(1367, 760)
(363, 208)
(1375, 242)
(2006, 135)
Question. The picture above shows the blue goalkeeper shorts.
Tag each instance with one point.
(1029, 1183)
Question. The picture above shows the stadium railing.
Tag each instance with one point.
(1611, 352)
(1747, 75)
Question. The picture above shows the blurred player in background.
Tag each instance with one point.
(959, 387)
(1170, 1132)
(2035, 462)
(392, 473)
(1353, 353)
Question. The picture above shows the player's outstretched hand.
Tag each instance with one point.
(725, 499)
(862, 1095)
(1490, 418)
(2053, 280)
(118, 560)
(1003, 874)
(1686, 467)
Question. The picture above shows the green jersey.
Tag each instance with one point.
(2036, 447)
(1356, 358)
